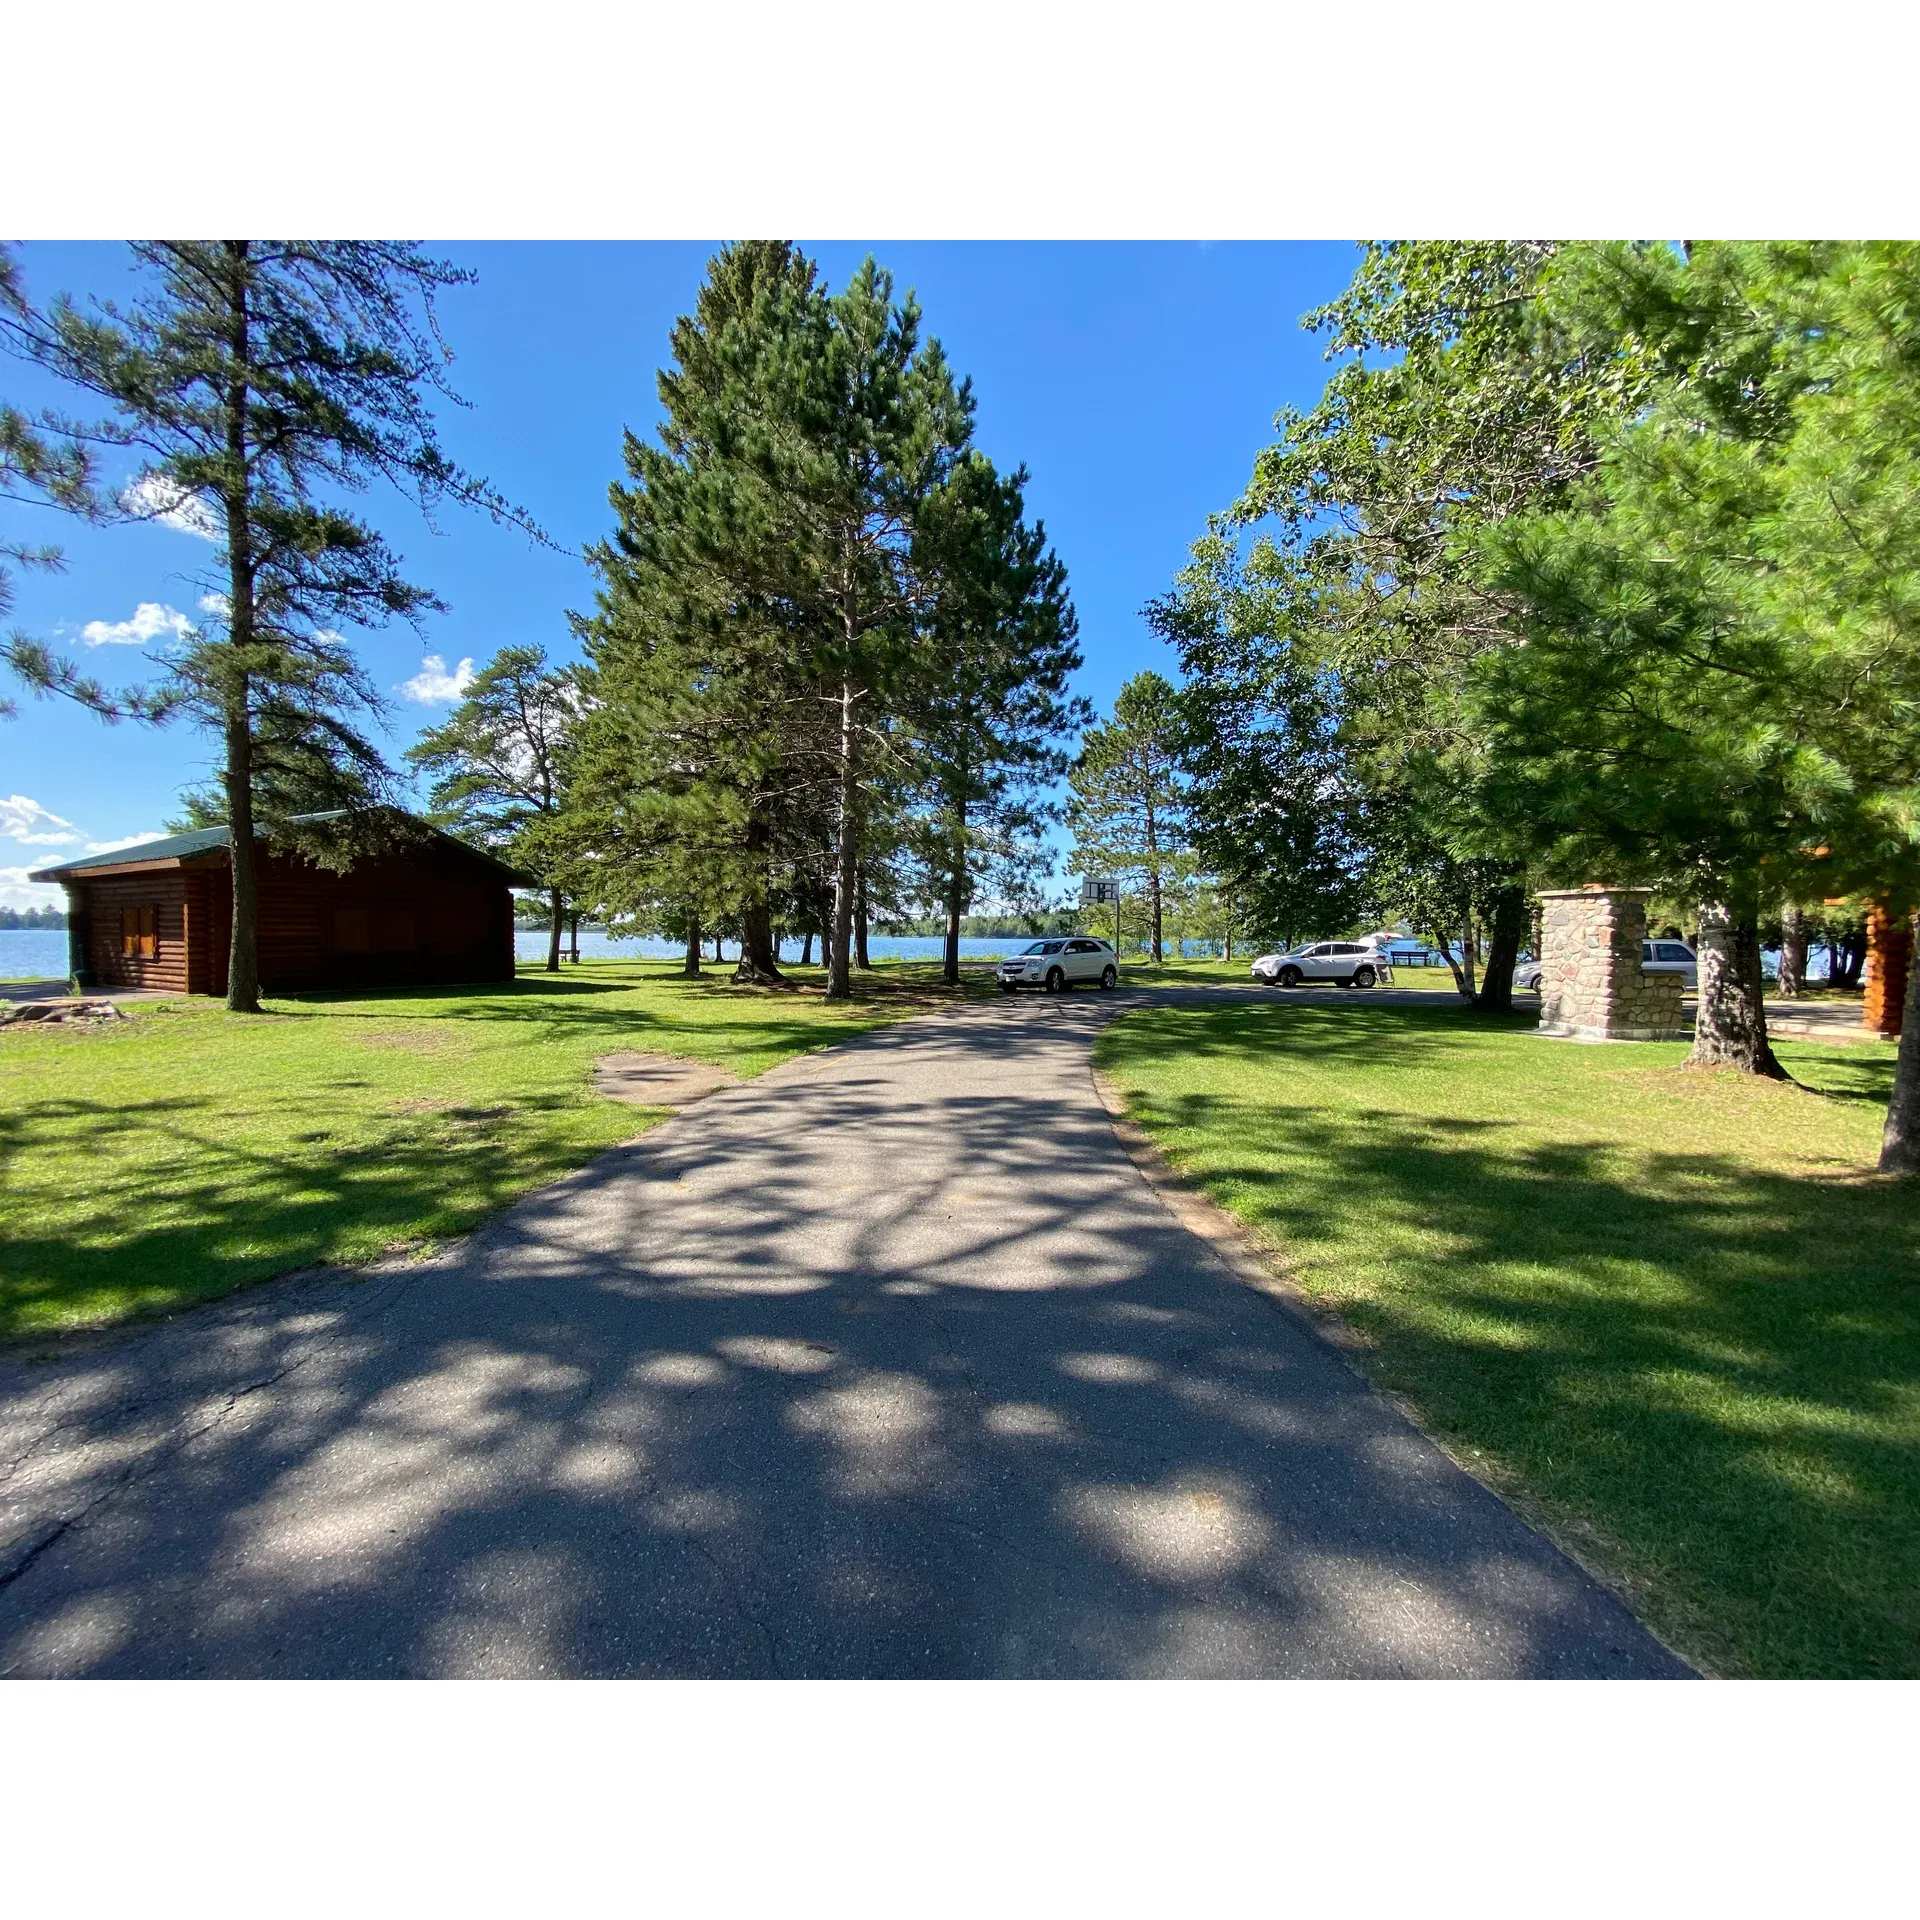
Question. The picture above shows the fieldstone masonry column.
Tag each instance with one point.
(1592, 983)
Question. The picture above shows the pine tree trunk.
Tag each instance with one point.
(691, 965)
(553, 931)
(243, 964)
(1153, 887)
(759, 964)
(847, 856)
(1730, 1028)
(860, 959)
(1853, 952)
(243, 951)
(950, 949)
(759, 958)
(806, 948)
(573, 938)
(1463, 974)
(1503, 950)
(1793, 953)
(1900, 1142)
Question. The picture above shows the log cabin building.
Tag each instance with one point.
(429, 911)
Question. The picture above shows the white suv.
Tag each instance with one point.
(1060, 964)
(1351, 962)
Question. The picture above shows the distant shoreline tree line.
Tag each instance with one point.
(31, 919)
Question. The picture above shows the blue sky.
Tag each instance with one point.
(1135, 381)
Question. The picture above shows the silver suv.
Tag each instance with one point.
(1656, 956)
(1060, 964)
(1350, 962)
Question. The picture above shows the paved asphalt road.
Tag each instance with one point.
(888, 1363)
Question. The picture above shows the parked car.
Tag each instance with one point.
(1350, 963)
(1656, 956)
(1057, 965)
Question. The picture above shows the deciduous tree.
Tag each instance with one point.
(500, 766)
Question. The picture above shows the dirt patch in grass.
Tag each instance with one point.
(406, 1040)
(658, 1079)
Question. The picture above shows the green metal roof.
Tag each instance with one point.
(185, 846)
(176, 846)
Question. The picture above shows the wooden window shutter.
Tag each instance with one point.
(149, 934)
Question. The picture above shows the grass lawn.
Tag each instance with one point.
(188, 1151)
(1673, 1314)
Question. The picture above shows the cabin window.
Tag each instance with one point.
(139, 936)
(352, 930)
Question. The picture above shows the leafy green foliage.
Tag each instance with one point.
(1129, 796)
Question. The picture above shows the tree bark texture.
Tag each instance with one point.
(1900, 1141)
(759, 956)
(573, 938)
(860, 959)
(846, 864)
(553, 931)
(691, 965)
(1793, 953)
(806, 948)
(1730, 1027)
(1153, 883)
(950, 947)
(1510, 920)
(243, 951)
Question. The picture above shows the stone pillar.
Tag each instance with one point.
(1592, 983)
(1889, 957)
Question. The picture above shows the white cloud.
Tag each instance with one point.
(434, 686)
(131, 840)
(28, 822)
(216, 604)
(155, 498)
(18, 889)
(150, 620)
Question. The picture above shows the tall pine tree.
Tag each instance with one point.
(263, 381)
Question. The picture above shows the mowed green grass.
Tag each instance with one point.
(187, 1151)
(1674, 1313)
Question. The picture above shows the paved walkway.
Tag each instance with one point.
(888, 1363)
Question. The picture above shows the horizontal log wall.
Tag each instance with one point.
(428, 917)
(104, 902)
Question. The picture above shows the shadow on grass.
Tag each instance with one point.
(191, 1213)
(924, 1382)
(1717, 1362)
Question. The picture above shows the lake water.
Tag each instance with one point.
(531, 944)
(40, 953)
(33, 953)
